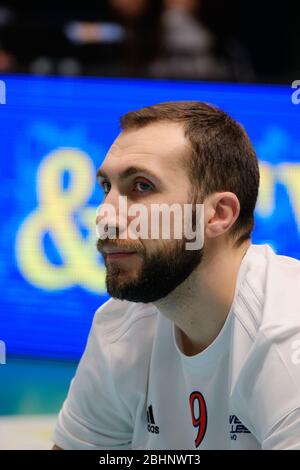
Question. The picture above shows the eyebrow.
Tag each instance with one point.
(130, 171)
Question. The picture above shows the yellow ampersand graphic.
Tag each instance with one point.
(55, 216)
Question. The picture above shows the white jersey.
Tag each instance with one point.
(135, 388)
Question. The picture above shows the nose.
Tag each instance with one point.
(109, 206)
(111, 217)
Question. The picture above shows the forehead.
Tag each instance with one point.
(159, 146)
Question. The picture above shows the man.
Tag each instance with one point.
(196, 349)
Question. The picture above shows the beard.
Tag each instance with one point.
(159, 273)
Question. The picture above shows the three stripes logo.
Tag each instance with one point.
(151, 423)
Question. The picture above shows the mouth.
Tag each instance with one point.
(115, 254)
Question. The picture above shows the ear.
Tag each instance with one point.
(221, 212)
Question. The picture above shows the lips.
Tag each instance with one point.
(115, 253)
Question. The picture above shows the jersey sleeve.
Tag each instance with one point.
(93, 415)
(285, 435)
(268, 391)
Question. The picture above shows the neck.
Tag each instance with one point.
(200, 305)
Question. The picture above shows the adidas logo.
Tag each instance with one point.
(151, 423)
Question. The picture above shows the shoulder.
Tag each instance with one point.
(116, 318)
(265, 375)
(269, 293)
(123, 333)
(117, 355)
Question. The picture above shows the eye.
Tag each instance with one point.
(142, 186)
(104, 183)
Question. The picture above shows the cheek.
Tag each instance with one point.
(180, 193)
(152, 247)
(150, 224)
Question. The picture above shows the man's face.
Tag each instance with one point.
(156, 266)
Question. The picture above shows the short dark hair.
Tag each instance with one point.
(222, 157)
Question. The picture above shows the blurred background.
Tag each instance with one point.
(183, 39)
(67, 73)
